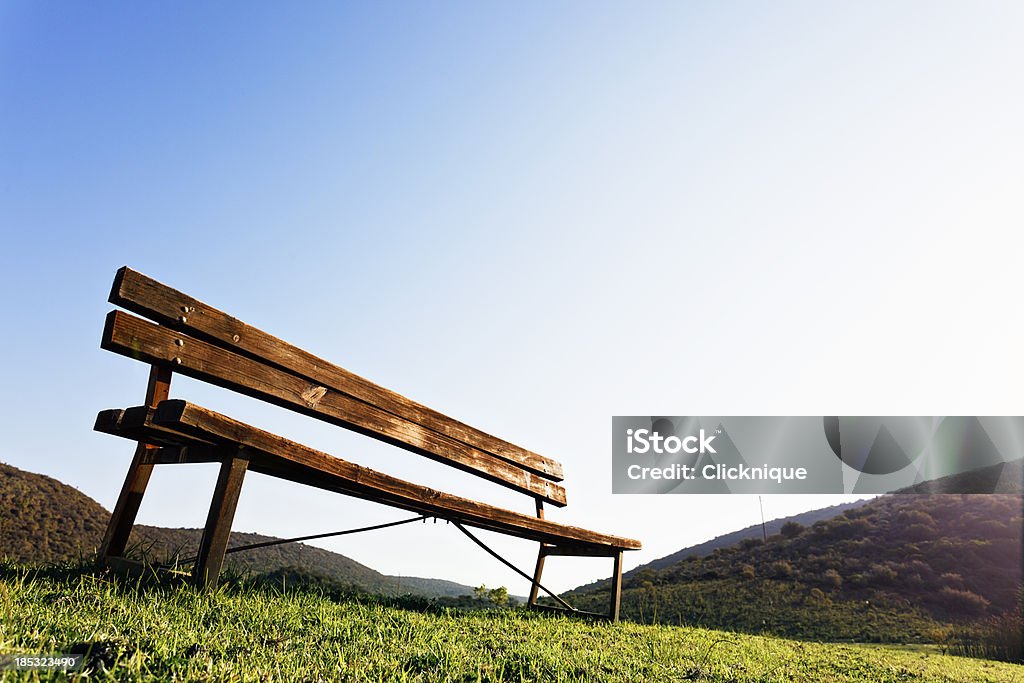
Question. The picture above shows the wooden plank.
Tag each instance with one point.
(575, 551)
(436, 508)
(279, 457)
(147, 297)
(133, 423)
(145, 341)
(214, 543)
(441, 505)
(196, 420)
(182, 455)
(122, 519)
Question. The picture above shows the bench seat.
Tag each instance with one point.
(191, 433)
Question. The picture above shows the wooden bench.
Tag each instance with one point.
(194, 339)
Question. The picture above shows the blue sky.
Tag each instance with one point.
(532, 216)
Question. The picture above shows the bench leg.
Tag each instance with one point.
(613, 611)
(218, 522)
(535, 587)
(122, 519)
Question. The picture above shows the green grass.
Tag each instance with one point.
(164, 630)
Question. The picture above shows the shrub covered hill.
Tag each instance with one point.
(899, 568)
(43, 521)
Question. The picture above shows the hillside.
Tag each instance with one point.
(43, 521)
(148, 631)
(297, 561)
(726, 540)
(897, 569)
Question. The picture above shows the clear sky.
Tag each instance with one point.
(532, 216)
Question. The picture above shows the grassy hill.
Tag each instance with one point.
(170, 631)
(44, 521)
(904, 568)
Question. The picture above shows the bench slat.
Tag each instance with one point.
(283, 458)
(147, 297)
(145, 341)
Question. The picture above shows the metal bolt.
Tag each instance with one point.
(177, 361)
(182, 319)
(179, 342)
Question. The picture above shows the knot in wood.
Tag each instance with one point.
(313, 395)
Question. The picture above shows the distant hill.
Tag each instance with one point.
(1004, 477)
(727, 540)
(44, 521)
(295, 560)
(896, 568)
(754, 531)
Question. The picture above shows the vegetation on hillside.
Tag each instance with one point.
(43, 520)
(908, 568)
(165, 630)
(771, 527)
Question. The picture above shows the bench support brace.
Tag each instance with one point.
(547, 549)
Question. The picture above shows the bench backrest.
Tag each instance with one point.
(202, 342)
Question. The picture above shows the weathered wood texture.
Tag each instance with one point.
(158, 345)
(182, 455)
(147, 297)
(538, 572)
(134, 423)
(286, 459)
(126, 509)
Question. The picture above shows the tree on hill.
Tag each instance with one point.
(791, 529)
(494, 596)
